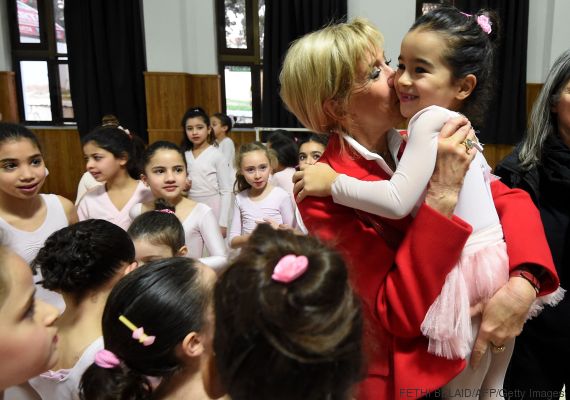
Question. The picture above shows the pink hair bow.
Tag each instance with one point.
(106, 359)
(142, 337)
(138, 333)
(484, 23)
(289, 268)
(166, 211)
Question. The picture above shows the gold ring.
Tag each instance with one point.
(469, 144)
(497, 349)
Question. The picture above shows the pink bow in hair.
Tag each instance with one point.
(138, 333)
(289, 268)
(484, 23)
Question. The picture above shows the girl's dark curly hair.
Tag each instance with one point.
(83, 257)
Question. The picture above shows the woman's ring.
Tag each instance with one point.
(497, 349)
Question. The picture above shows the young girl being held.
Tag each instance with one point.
(222, 126)
(29, 335)
(208, 170)
(82, 262)
(165, 173)
(27, 216)
(446, 61)
(112, 156)
(157, 329)
(305, 339)
(257, 201)
(287, 152)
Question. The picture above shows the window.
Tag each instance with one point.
(240, 53)
(39, 55)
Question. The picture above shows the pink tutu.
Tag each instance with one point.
(482, 270)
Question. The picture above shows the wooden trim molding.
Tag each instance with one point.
(8, 97)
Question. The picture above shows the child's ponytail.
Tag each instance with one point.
(117, 382)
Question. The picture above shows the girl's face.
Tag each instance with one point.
(29, 337)
(562, 111)
(255, 168)
(219, 130)
(423, 78)
(165, 174)
(22, 169)
(100, 163)
(373, 104)
(310, 152)
(146, 251)
(197, 131)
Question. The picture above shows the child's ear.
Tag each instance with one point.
(193, 345)
(123, 159)
(131, 267)
(182, 251)
(144, 179)
(466, 86)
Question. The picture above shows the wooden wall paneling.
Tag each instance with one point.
(171, 135)
(8, 99)
(242, 137)
(205, 91)
(167, 98)
(63, 157)
(532, 92)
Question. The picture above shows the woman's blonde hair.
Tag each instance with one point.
(323, 65)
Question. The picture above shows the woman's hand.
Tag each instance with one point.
(503, 317)
(452, 163)
(314, 180)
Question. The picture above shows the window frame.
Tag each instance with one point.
(249, 57)
(46, 51)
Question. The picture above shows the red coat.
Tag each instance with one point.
(398, 286)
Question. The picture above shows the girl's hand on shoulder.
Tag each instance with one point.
(314, 180)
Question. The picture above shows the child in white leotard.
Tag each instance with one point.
(208, 170)
(429, 73)
(113, 156)
(165, 174)
(28, 217)
(257, 201)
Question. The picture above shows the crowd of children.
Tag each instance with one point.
(154, 286)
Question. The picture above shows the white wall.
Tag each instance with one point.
(391, 19)
(560, 40)
(180, 36)
(5, 59)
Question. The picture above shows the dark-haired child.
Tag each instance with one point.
(222, 126)
(208, 169)
(157, 329)
(165, 173)
(288, 325)
(82, 262)
(27, 216)
(113, 156)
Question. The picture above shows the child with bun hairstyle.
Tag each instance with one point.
(27, 216)
(222, 126)
(157, 329)
(165, 173)
(82, 262)
(27, 326)
(157, 234)
(288, 325)
(112, 155)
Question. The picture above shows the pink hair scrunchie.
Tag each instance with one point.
(106, 359)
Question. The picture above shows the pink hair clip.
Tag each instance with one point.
(138, 333)
(166, 211)
(106, 359)
(485, 23)
(289, 268)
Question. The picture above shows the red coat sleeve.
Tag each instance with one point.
(398, 287)
(524, 233)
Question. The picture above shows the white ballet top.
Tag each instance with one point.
(63, 384)
(27, 244)
(97, 204)
(277, 205)
(211, 177)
